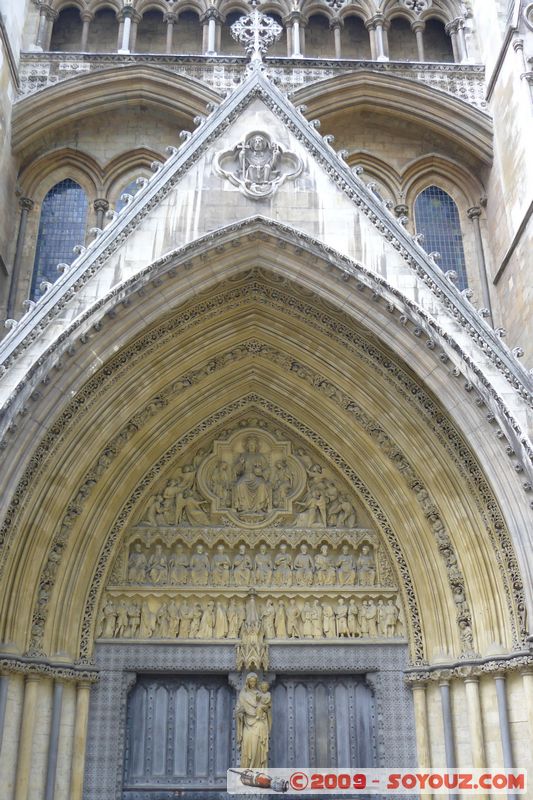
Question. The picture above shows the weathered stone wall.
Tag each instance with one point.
(12, 22)
(510, 181)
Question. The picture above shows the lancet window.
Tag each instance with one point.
(437, 217)
(62, 226)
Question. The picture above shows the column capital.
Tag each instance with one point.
(335, 23)
(86, 15)
(211, 13)
(294, 16)
(518, 44)
(454, 25)
(84, 684)
(101, 204)
(418, 25)
(474, 212)
(372, 23)
(170, 17)
(26, 203)
(33, 677)
(127, 11)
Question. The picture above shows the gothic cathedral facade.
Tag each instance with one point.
(265, 375)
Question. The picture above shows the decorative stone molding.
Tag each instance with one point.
(38, 71)
(471, 670)
(23, 666)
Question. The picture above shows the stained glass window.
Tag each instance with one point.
(437, 217)
(131, 188)
(62, 227)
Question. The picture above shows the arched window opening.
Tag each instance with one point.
(319, 39)
(437, 217)
(355, 39)
(437, 43)
(66, 33)
(402, 41)
(227, 42)
(152, 33)
(188, 34)
(130, 188)
(279, 48)
(61, 228)
(103, 32)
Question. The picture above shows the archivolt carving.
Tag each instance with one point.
(319, 317)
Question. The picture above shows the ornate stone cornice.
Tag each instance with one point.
(471, 670)
(20, 665)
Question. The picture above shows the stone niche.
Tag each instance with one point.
(253, 527)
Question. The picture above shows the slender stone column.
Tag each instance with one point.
(474, 214)
(527, 679)
(451, 30)
(456, 30)
(461, 40)
(120, 32)
(421, 725)
(376, 24)
(418, 27)
(293, 21)
(42, 28)
(505, 730)
(65, 742)
(26, 206)
(29, 713)
(372, 36)
(100, 206)
(447, 720)
(4, 685)
(134, 28)
(79, 741)
(336, 25)
(86, 17)
(209, 21)
(475, 721)
(127, 15)
(171, 20)
(46, 19)
(51, 768)
(449, 739)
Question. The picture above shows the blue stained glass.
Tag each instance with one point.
(62, 227)
(131, 188)
(437, 217)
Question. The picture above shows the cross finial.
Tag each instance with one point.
(256, 32)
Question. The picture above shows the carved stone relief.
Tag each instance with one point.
(163, 558)
(252, 620)
(258, 166)
(252, 478)
(252, 539)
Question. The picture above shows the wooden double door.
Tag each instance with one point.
(180, 733)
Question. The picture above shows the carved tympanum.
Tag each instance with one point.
(252, 479)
